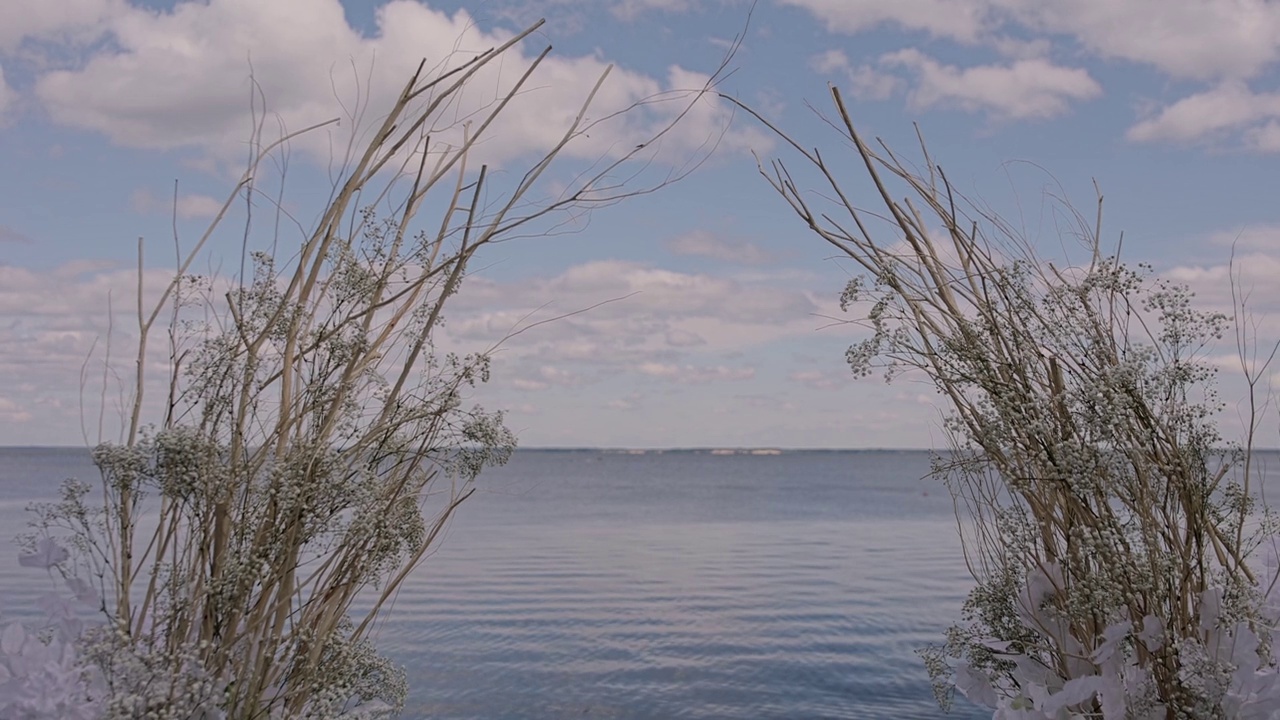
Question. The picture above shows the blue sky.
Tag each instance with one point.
(1173, 106)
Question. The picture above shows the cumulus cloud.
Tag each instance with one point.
(78, 20)
(53, 325)
(1024, 89)
(682, 327)
(181, 78)
(7, 96)
(1265, 137)
(1021, 48)
(1184, 38)
(1252, 279)
(543, 377)
(695, 374)
(679, 328)
(868, 83)
(864, 81)
(1223, 43)
(824, 380)
(1264, 237)
(664, 294)
(1254, 271)
(956, 19)
(12, 411)
(629, 403)
(188, 206)
(631, 9)
(703, 243)
(830, 62)
(1214, 115)
(683, 338)
(9, 235)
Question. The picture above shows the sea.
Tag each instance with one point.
(653, 584)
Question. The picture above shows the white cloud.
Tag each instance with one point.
(1213, 115)
(830, 62)
(181, 79)
(1025, 89)
(7, 96)
(1021, 49)
(9, 235)
(13, 412)
(1212, 283)
(1253, 274)
(678, 338)
(78, 20)
(628, 403)
(1265, 137)
(689, 327)
(682, 328)
(824, 380)
(963, 20)
(54, 323)
(631, 9)
(863, 82)
(695, 374)
(188, 206)
(868, 83)
(198, 206)
(593, 365)
(1264, 237)
(1196, 39)
(702, 243)
(1227, 42)
(668, 293)
(543, 377)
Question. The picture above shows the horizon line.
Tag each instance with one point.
(624, 448)
(673, 448)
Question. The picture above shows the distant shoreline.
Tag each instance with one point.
(702, 450)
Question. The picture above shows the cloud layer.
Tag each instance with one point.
(673, 344)
(665, 329)
(1024, 89)
(200, 75)
(1226, 46)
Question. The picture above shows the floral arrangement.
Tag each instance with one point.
(1106, 521)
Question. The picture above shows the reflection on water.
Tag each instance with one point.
(680, 585)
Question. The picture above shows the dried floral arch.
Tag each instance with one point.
(1105, 521)
(314, 442)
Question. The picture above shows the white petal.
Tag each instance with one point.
(11, 639)
(975, 686)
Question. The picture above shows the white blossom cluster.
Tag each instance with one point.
(1108, 521)
(1230, 670)
(232, 540)
(69, 669)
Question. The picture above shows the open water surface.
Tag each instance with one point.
(593, 584)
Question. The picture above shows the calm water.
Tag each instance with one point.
(583, 584)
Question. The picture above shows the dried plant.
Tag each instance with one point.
(313, 441)
(1104, 519)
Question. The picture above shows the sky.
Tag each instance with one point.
(719, 329)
